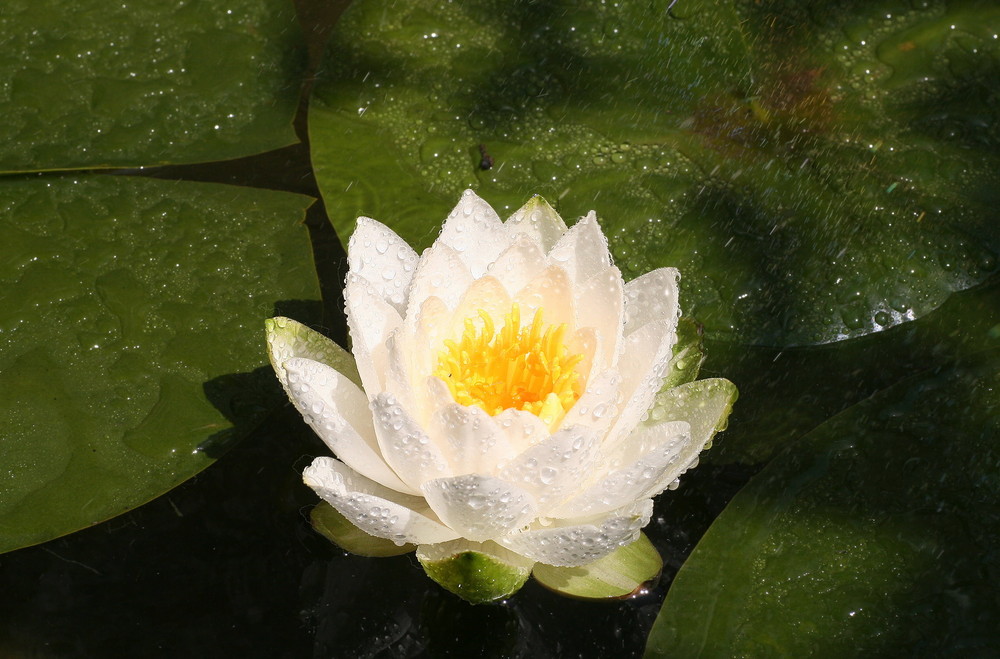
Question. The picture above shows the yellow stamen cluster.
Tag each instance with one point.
(525, 368)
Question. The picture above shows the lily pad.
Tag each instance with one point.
(87, 83)
(129, 333)
(876, 535)
(817, 172)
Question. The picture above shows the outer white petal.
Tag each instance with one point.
(583, 250)
(521, 262)
(475, 232)
(551, 289)
(600, 303)
(576, 542)
(337, 410)
(652, 296)
(399, 368)
(288, 339)
(440, 273)
(538, 221)
(374, 509)
(376, 253)
(470, 438)
(554, 467)
(653, 453)
(370, 320)
(480, 507)
(405, 445)
(644, 360)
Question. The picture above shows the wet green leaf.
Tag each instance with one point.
(98, 84)
(620, 574)
(818, 171)
(874, 535)
(130, 328)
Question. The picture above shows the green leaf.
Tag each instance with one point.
(787, 393)
(876, 534)
(808, 190)
(620, 574)
(478, 572)
(88, 83)
(129, 337)
(339, 530)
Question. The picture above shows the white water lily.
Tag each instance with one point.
(508, 400)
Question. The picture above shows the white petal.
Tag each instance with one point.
(470, 438)
(644, 360)
(555, 466)
(576, 542)
(518, 264)
(597, 407)
(399, 367)
(704, 405)
(475, 232)
(538, 221)
(583, 250)
(337, 410)
(653, 296)
(288, 339)
(551, 290)
(376, 253)
(374, 509)
(485, 294)
(600, 303)
(652, 453)
(440, 273)
(479, 507)
(405, 445)
(523, 429)
(370, 320)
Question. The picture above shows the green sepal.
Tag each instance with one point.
(622, 574)
(340, 531)
(287, 339)
(689, 354)
(478, 572)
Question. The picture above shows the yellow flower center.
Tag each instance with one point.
(525, 368)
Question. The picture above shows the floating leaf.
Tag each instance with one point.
(130, 325)
(805, 166)
(620, 574)
(98, 84)
(876, 535)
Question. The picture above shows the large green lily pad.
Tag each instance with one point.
(875, 535)
(87, 83)
(130, 325)
(818, 171)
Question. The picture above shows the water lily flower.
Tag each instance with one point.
(505, 405)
